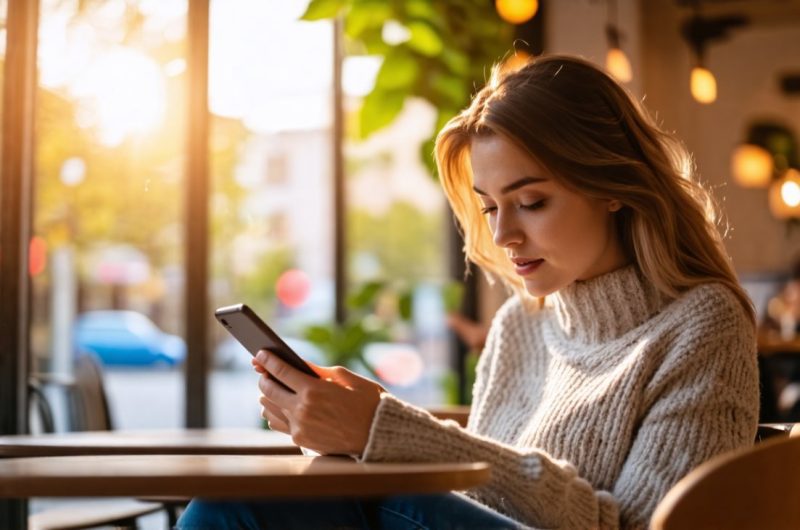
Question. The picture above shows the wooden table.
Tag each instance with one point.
(227, 476)
(178, 441)
(773, 345)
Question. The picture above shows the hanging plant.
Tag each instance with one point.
(440, 52)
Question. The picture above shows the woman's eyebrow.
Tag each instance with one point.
(517, 184)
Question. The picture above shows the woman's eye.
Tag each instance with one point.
(488, 209)
(532, 206)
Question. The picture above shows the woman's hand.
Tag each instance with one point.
(331, 415)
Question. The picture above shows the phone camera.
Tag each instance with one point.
(224, 322)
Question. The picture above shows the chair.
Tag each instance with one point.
(756, 487)
(88, 411)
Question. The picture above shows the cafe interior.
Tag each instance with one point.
(164, 158)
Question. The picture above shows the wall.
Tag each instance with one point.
(745, 66)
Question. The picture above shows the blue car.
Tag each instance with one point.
(127, 338)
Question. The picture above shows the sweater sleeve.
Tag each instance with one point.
(702, 401)
(527, 485)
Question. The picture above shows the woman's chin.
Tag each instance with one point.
(539, 289)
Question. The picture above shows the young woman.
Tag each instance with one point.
(625, 358)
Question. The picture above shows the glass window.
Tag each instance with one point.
(108, 222)
(397, 239)
(270, 95)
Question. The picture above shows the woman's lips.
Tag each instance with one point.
(525, 268)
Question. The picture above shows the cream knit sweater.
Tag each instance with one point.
(591, 408)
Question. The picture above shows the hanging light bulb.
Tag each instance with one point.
(784, 196)
(618, 65)
(517, 11)
(703, 85)
(752, 166)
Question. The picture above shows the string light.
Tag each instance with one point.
(784, 196)
(517, 11)
(617, 63)
(703, 85)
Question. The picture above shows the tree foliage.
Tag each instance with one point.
(450, 47)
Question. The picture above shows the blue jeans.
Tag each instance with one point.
(415, 512)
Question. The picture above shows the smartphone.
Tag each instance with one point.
(254, 334)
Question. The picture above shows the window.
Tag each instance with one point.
(270, 90)
(108, 208)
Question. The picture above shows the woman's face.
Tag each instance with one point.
(553, 235)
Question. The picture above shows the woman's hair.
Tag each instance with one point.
(586, 130)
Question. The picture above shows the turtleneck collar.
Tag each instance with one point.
(607, 306)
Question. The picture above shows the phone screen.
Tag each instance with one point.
(254, 334)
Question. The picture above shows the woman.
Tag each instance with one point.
(625, 359)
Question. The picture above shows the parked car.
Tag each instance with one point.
(127, 338)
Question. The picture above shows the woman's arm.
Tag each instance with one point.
(698, 409)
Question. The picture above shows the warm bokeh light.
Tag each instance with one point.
(394, 33)
(703, 85)
(751, 166)
(396, 364)
(359, 73)
(618, 65)
(790, 193)
(73, 171)
(293, 288)
(515, 61)
(37, 256)
(517, 11)
(126, 92)
(784, 196)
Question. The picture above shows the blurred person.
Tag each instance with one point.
(472, 333)
(625, 359)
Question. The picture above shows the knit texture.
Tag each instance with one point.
(591, 408)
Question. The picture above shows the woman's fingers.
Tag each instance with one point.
(275, 418)
(257, 366)
(273, 409)
(282, 371)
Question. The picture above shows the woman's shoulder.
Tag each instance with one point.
(709, 310)
(713, 299)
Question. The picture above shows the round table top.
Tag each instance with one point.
(226, 476)
(170, 441)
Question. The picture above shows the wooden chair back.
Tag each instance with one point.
(91, 411)
(756, 487)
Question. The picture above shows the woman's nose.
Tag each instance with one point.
(506, 232)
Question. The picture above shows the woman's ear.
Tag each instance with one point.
(614, 205)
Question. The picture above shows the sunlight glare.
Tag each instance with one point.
(359, 73)
(126, 91)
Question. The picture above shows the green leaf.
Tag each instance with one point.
(322, 9)
(456, 61)
(405, 304)
(452, 296)
(364, 16)
(451, 89)
(421, 9)
(424, 39)
(444, 115)
(380, 108)
(398, 71)
(366, 295)
(319, 335)
(354, 338)
(428, 157)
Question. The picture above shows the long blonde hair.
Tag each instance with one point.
(582, 126)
